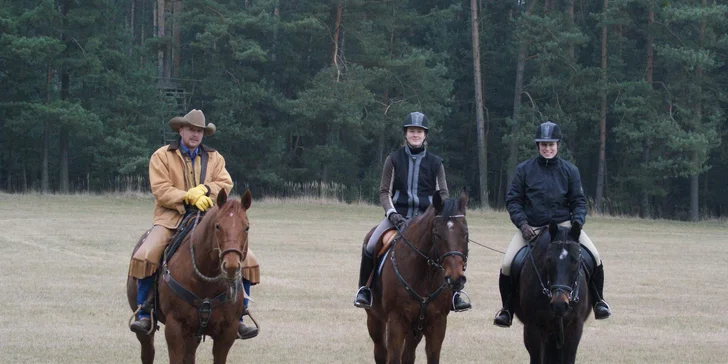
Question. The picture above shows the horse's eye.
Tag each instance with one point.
(217, 227)
(247, 228)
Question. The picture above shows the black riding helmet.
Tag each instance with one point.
(548, 132)
(416, 119)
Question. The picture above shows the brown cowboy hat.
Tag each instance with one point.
(193, 118)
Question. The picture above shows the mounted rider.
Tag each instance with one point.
(546, 188)
(185, 172)
(411, 176)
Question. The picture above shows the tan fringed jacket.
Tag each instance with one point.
(171, 174)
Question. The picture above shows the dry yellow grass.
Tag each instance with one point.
(63, 263)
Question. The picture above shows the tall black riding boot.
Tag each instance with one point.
(364, 294)
(601, 308)
(504, 317)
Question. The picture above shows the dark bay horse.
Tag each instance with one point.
(208, 267)
(553, 298)
(413, 295)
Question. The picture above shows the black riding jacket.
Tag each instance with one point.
(544, 190)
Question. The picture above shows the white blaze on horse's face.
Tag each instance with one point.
(450, 225)
(563, 254)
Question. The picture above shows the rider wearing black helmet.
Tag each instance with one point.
(411, 176)
(546, 188)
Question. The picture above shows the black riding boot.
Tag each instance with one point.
(504, 317)
(364, 294)
(601, 308)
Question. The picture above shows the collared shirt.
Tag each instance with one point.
(186, 151)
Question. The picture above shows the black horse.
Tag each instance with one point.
(553, 298)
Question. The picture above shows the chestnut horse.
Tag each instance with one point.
(413, 294)
(207, 266)
(554, 300)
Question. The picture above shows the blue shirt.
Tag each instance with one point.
(191, 154)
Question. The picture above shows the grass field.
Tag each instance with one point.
(63, 264)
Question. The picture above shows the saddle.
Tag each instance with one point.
(385, 241)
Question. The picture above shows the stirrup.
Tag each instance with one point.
(603, 304)
(360, 305)
(460, 294)
(498, 314)
(134, 318)
(257, 327)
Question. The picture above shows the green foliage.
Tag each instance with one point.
(293, 110)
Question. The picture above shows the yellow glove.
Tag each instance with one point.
(194, 193)
(203, 203)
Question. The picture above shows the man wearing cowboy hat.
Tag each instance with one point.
(184, 172)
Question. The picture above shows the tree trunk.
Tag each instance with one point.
(160, 33)
(570, 10)
(695, 177)
(518, 90)
(645, 210)
(45, 184)
(131, 25)
(335, 48)
(602, 117)
(65, 92)
(482, 145)
(176, 36)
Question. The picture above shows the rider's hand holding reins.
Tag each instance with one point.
(528, 232)
(194, 194)
(203, 203)
(397, 220)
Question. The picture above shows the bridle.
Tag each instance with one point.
(433, 263)
(571, 291)
(221, 255)
(436, 262)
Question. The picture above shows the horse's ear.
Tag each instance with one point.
(575, 231)
(553, 229)
(463, 201)
(246, 199)
(437, 201)
(221, 197)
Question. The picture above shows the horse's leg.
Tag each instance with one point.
(532, 341)
(377, 328)
(221, 347)
(147, 344)
(175, 340)
(552, 353)
(191, 345)
(396, 332)
(435, 336)
(410, 346)
(571, 343)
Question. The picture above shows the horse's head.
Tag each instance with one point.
(231, 227)
(450, 237)
(563, 257)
